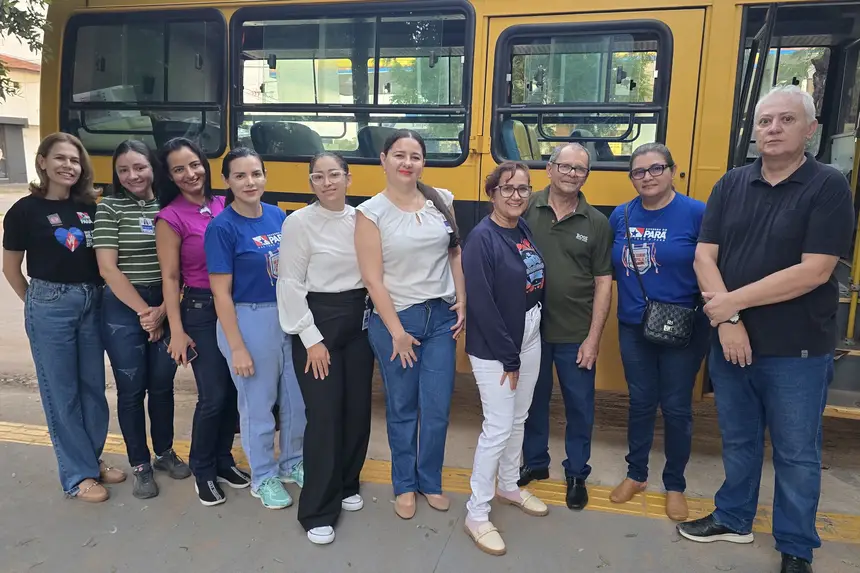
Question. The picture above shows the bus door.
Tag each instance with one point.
(610, 81)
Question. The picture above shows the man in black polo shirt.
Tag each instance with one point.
(771, 237)
(576, 243)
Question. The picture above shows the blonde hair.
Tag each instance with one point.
(83, 189)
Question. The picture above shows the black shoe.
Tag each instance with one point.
(209, 492)
(527, 475)
(172, 464)
(792, 564)
(234, 477)
(144, 482)
(707, 530)
(577, 494)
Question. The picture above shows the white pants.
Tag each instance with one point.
(505, 412)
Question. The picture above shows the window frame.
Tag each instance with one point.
(662, 84)
(165, 17)
(351, 9)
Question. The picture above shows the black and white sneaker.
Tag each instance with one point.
(234, 478)
(209, 492)
(707, 530)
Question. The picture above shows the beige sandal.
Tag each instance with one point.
(91, 491)
(530, 503)
(487, 538)
(108, 474)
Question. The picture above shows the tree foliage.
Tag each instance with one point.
(25, 20)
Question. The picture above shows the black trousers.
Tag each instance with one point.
(337, 407)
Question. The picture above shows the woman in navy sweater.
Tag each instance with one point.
(503, 343)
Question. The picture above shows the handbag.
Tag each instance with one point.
(663, 323)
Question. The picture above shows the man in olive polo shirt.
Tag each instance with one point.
(576, 243)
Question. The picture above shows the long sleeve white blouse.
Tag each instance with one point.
(317, 255)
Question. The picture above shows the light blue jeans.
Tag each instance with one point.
(274, 382)
(62, 322)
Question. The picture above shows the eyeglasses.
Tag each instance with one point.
(332, 176)
(566, 168)
(655, 170)
(507, 191)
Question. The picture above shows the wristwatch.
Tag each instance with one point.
(736, 318)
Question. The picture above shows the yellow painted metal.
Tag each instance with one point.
(837, 527)
(855, 264)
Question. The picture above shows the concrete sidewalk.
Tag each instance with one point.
(42, 531)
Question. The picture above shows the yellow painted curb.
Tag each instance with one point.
(838, 527)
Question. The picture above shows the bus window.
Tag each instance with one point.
(148, 76)
(575, 83)
(344, 83)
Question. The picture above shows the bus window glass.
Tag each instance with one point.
(343, 83)
(606, 82)
(151, 80)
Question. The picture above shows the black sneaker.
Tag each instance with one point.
(707, 530)
(144, 482)
(172, 464)
(527, 475)
(234, 477)
(577, 494)
(792, 564)
(209, 492)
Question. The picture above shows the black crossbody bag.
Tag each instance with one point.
(663, 323)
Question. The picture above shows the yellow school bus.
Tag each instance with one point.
(482, 80)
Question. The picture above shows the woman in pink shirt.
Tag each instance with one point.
(187, 207)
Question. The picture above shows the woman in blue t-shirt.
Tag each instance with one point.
(664, 227)
(242, 247)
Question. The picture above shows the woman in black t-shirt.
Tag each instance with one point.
(53, 228)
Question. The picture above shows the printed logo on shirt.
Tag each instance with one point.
(272, 263)
(267, 240)
(581, 237)
(85, 218)
(646, 258)
(534, 266)
(89, 237)
(648, 234)
(70, 238)
(55, 220)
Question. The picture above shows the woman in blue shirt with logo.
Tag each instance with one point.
(661, 230)
(505, 286)
(242, 248)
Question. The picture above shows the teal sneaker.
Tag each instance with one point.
(273, 494)
(296, 475)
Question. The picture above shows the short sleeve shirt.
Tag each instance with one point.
(249, 249)
(762, 229)
(575, 251)
(414, 250)
(56, 237)
(126, 224)
(189, 221)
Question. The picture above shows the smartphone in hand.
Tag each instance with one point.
(190, 352)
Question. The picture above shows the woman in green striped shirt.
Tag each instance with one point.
(133, 316)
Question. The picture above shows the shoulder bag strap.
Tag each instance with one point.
(630, 251)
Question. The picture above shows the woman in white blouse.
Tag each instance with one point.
(322, 301)
(409, 254)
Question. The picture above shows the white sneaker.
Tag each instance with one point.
(321, 535)
(352, 503)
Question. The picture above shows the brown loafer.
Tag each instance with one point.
(92, 491)
(404, 505)
(108, 474)
(438, 501)
(625, 491)
(676, 506)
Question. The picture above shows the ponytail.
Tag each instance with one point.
(433, 195)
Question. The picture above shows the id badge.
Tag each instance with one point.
(448, 228)
(146, 226)
(365, 319)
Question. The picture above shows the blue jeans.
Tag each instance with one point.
(418, 399)
(214, 424)
(664, 376)
(274, 382)
(142, 369)
(577, 391)
(62, 322)
(787, 395)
